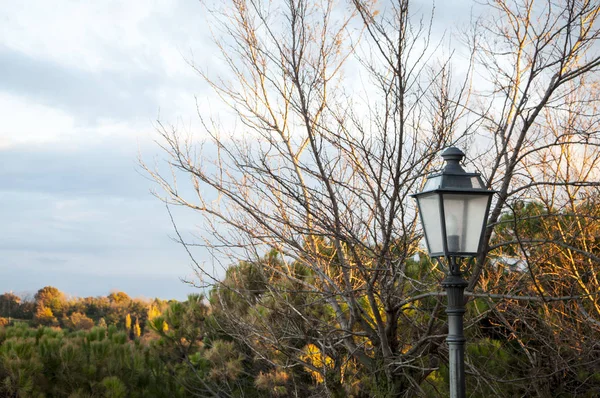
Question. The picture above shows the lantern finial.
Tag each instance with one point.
(453, 156)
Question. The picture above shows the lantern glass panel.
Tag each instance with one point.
(464, 216)
(429, 210)
(432, 183)
(476, 183)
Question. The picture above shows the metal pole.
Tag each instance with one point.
(455, 288)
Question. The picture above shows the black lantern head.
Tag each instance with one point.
(453, 208)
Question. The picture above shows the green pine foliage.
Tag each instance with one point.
(177, 352)
(58, 363)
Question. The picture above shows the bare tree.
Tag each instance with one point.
(341, 111)
(540, 112)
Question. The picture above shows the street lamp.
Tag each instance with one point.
(453, 208)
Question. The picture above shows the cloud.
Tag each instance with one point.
(90, 95)
(81, 84)
(73, 70)
(106, 35)
(84, 214)
(108, 169)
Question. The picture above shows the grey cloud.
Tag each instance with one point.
(87, 95)
(101, 170)
(87, 211)
(83, 220)
(124, 246)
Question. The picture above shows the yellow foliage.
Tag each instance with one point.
(137, 331)
(165, 327)
(312, 355)
(153, 312)
(128, 322)
(44, 316)
(370, 311)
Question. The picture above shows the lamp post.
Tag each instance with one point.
(453, 208)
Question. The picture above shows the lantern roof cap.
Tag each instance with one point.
(453, 177)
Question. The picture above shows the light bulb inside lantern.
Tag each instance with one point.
(452, 233)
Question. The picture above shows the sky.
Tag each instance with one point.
(81, 87)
